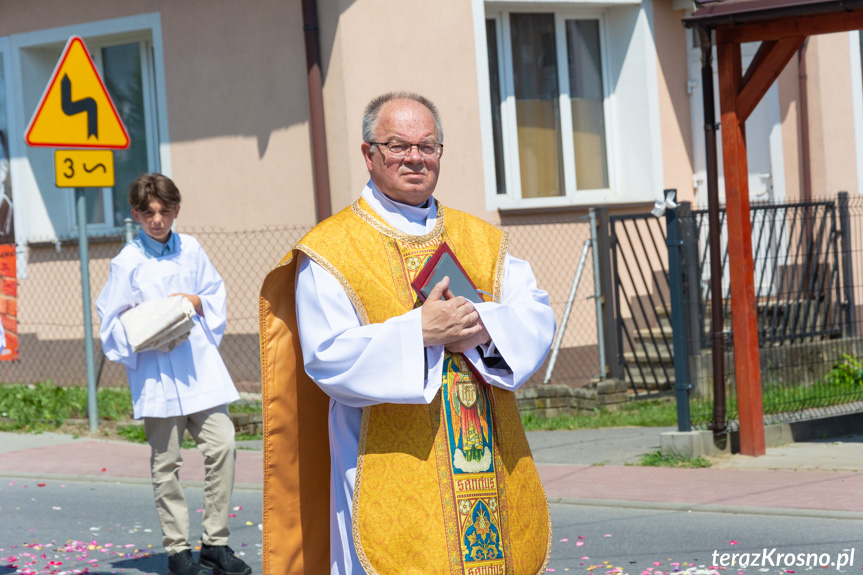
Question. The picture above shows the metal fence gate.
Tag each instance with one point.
(803, 282)
(639, 262)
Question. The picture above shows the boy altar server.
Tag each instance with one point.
(186, 388)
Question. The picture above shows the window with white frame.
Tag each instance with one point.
(124, 52)
(548, 106)
(124, 68)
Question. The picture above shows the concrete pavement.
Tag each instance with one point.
(595, 466)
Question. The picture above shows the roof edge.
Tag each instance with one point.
(715, 14)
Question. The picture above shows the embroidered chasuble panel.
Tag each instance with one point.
(458, 522)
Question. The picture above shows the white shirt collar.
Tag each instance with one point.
(413, 220)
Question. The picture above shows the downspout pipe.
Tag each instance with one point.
(323, 207)
(714, 230)
(803, 86)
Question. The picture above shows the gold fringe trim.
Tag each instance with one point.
(263, 314)
(349, 290)
(391, 232)
(501, 261)
(355, 504)
(263, 311)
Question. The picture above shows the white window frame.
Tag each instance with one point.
(145, 47)
(144, 28)
(857, 101)
(512, 198)
(631, 102)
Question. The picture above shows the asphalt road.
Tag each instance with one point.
(106, 527)
(640, 541)
(109, 527)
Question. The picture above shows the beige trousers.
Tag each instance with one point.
(213, 433)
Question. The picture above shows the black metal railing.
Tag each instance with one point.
(802, 275)
(642, 308)
(803, 259)
(796, 257)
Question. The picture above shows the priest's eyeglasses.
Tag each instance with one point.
(399, 150)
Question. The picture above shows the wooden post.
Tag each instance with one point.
(743, 309)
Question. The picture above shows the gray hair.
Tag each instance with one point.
(370, 116)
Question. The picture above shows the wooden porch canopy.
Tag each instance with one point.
(781, 26)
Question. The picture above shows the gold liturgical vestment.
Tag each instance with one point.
(447, 488)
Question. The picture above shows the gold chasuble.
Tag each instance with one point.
(446, 488)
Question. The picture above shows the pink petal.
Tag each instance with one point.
(579, 543)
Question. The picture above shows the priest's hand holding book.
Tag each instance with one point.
(451, 320)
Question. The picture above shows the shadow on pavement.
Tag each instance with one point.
(155, 563)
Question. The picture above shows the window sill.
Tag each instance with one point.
(106, 238)
(633, 207)
(580, 202)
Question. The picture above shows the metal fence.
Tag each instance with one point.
(639, 262)
(805, 258)
(807, 270)
(50, 318)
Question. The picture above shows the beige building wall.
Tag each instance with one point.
(674, 105)
(831, 126)
(789, 112)
(237, 116)
(237, 106)
(237, 102)
(369, 48)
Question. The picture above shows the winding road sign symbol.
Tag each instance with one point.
(87, 105)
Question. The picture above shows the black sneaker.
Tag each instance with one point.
(183, 563)
(221, 559)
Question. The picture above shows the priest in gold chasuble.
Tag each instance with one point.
(425, 468)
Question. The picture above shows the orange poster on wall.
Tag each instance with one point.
(9, 301)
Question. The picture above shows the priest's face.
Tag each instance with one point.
(157, 219)
(411, 179)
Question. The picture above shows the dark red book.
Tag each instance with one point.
(441, 264)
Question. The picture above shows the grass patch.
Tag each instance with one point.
(136, 434)
(656, 459)
(45, 407)
(133, 433)
(244, 406)
(842, 384)
(646, 413)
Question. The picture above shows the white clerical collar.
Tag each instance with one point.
(414, 220)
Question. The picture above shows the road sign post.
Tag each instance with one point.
(83, 252)
(76, 111)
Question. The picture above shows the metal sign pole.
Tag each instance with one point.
(83, 254)
(59, 122)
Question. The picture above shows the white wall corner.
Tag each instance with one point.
(638, 140)
(484, 104)
(857, 102)
(652, 96)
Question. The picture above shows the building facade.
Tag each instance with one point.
(549, 109)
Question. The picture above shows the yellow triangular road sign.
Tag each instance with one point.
(76, 110)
